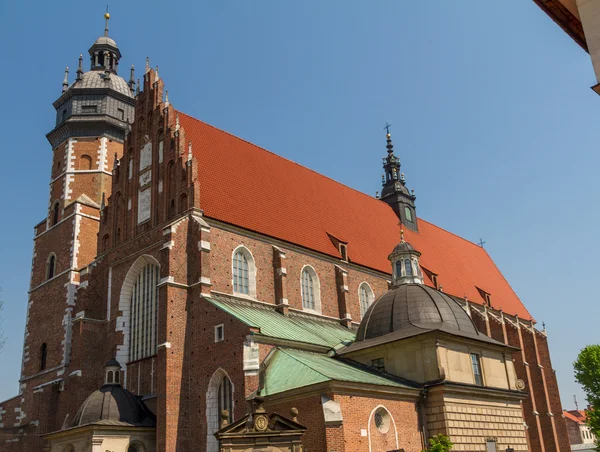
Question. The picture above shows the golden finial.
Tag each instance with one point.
(402, 235)
(106, 15)
(389, 135)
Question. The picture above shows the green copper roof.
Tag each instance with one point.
(293, 327)
(290, 369)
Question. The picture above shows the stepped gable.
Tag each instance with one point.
(250, 187)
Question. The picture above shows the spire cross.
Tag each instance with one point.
(387, 127)
(481, 242)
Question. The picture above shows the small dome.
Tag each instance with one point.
(404, 247)
(413, 309)
(96, 79)
(114, 403)
(105, 41)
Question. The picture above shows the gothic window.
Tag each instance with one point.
(105, 243)
(408, 267)
(43, 356)
(183, 203)
(408, 214)
(51, 266)
(310, 289)
(366, 297)
(243, 272)
(225, 397)
(85, 162)
(144, 314)
(476, 364)
(55, 212)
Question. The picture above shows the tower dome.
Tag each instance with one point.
(113, 403)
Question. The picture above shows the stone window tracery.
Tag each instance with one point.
(243, 272)
(311, 296)
(366, 297)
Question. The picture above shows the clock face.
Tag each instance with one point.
(261, 423)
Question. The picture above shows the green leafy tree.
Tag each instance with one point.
(587, 374)
(439, 443)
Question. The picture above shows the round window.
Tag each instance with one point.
(382, 420)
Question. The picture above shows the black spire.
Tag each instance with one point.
(394, 192)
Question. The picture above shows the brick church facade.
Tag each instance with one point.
(203, 287)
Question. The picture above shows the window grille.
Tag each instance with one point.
(144, 314)
(241, 281)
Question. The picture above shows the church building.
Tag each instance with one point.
(169, 293)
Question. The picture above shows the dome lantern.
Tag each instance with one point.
(405, 264)
(112, 373)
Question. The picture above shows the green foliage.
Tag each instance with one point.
(439, 443)
(587, 374)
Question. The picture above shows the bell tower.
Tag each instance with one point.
(93, 114)
(394, 191)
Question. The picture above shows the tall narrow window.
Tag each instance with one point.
(366, 296)
(398, 268)
(51, 267)
(55, 211)
(183, 203)
(144, 314)
(310, 289)
(476, 363)
(408, 214)
(225, 398)
(43, 356)
(408, 267)
(241, 282)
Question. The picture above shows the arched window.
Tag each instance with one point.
(43, 356)
(55, 211)
(144, 314)
(408, 267)
(243, 272)
(398, 268)
(51, 266)
(311, 296)
(85, 162)
(366, 297)
(183, 203)
(219, 396)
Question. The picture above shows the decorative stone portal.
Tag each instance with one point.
(260, 431)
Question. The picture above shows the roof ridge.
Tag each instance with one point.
(282, 157)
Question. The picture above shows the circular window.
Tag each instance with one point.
(382, 420)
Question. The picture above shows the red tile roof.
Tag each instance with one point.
(245, 185)
(578, 416)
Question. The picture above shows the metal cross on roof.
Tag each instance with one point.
(387, 127)
(481, 242)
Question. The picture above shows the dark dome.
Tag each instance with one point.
(97, 79)
(413, 309)
(112, 402)
(404, 247)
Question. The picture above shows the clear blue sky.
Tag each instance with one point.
(489, 102)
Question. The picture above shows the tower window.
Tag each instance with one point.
(398, 269)
(476, 364)
(43, 356)
(219, 333)
(408, 267)
(240, 273)
(121, 114)
(89, 109)
(310, 289)
(55, 211)
(85, 162)
(51, 266)
(408, 214)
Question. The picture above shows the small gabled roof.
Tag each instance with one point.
(289, 369)
(250, 187)
(294, 327)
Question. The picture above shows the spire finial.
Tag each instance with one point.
(177, 123)
(189, 157)
(147, 64)
(156, 70)
(65, 84)
(166, 98)
(401, 235)
(80, 68)
(107, 18)
(116, 161)
(387, 128)
(388, 137)
(137, 87)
